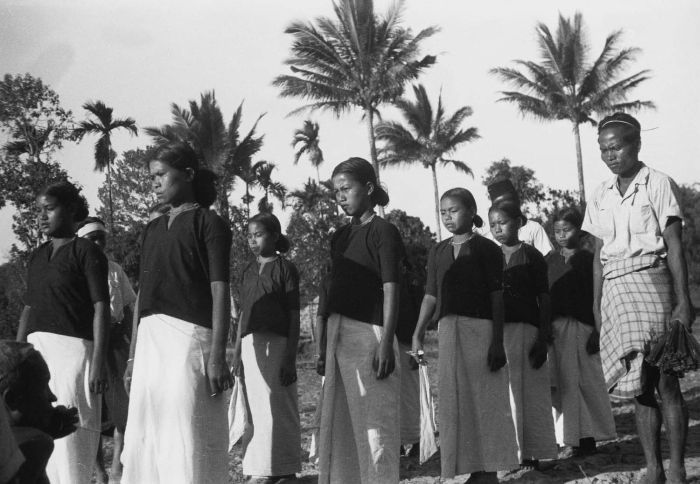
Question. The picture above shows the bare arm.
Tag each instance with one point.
(288, 374)
(545, 332)
(384, 358)
(100, 335)
(132, 345)
(23, 323)
(427, 309)
(497, 354)
(683, 310)
(597, 283)
(217, 370)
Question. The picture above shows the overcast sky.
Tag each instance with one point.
(140, 56)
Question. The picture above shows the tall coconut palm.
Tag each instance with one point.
(103, 125)
(221, 149)
(357, 59)
(306, 141)
(428, 138)
(263, 179)
(564, 84)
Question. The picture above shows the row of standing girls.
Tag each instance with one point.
(493, 337)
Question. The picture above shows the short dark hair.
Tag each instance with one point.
(362, 171)
(272, 225)
(510, 207)
(467, 199)
(69, 196)
(630, 125)
(569, 214)
(13, 355)
(181, 156)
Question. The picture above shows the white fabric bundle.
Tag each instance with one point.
(428, 445)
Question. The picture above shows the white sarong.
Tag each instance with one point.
(410, 398)
(530, 394)
(360, 420)
(177, 432)
(581, 395)
(275, 446)
(476, 426)
(69, 360)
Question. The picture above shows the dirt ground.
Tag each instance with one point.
(618, 462)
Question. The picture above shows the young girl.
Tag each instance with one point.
(581, 397)
(121, 302)
(526, 334)
(360, 416)
(465, 288)
(66, 318)
(177, 429)
(268, 335)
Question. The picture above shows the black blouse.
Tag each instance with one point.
(524, 279)
(463, 286)
(62, 290)
(571, 285)
(268, 296)
(178, 265)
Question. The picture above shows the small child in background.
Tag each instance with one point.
(580, 396)
(527, 333)
(266, 346)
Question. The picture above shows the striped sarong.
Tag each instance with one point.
(637, 299)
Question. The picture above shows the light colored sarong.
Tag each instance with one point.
(530, 394)
(410, 398)
(476, 425)
(581, 396)
(275, 446)
(360, 420)
(69, 360)
(177, 432)
(637, 298)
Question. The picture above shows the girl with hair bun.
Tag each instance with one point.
(465, 289)
(360, 426)
(526, 334)
(177, 429)
(66, 318)
(266, 351)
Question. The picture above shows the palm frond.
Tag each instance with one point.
(459, 165)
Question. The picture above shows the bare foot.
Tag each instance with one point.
(654, 475)
(482, 478)
(676, 476)
(101, 476)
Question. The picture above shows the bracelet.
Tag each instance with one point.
(129, 360)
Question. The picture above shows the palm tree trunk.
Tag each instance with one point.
(579, 165)
(109, 187)
(437, 203)
(318, 175)
(369, 113)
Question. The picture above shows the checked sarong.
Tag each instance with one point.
(637, 298)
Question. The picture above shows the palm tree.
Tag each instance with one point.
(221, 149)
(357, 59)
(306, 141)
(565, 84)
(263, 179)
(103, 126)
(428, 138)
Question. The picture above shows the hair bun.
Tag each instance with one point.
(478, 221)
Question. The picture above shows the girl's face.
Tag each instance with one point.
(171, 185)
(620, 156)
(352, 196)
(455, 216)
(54, 220)
(260, 240)
(503, 228)
(566, 234)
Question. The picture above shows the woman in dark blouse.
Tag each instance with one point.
(268, 335)
(66, 318)
(527, 332)
(580, 395)
(360, 416)
(464, 290)
(177, 427)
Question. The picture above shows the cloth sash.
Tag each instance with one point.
(275, 446)
(476, 426)
(530, 393)
(69, 361)
(410, 398)
(239, 425)
(360, 420)
(581, 398)
(177, 431)
(637, 298)
(428, 428)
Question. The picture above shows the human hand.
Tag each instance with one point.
(237, 363)
(64, 421)
(288, 371)
(218, 374)
(97, 380)
(538, 354)
(496, 357)
(593, 343)
(128, 372)
(384, 361)
(684, 312)
(321, 364)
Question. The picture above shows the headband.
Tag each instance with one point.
(619, 121)
(91, 227)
